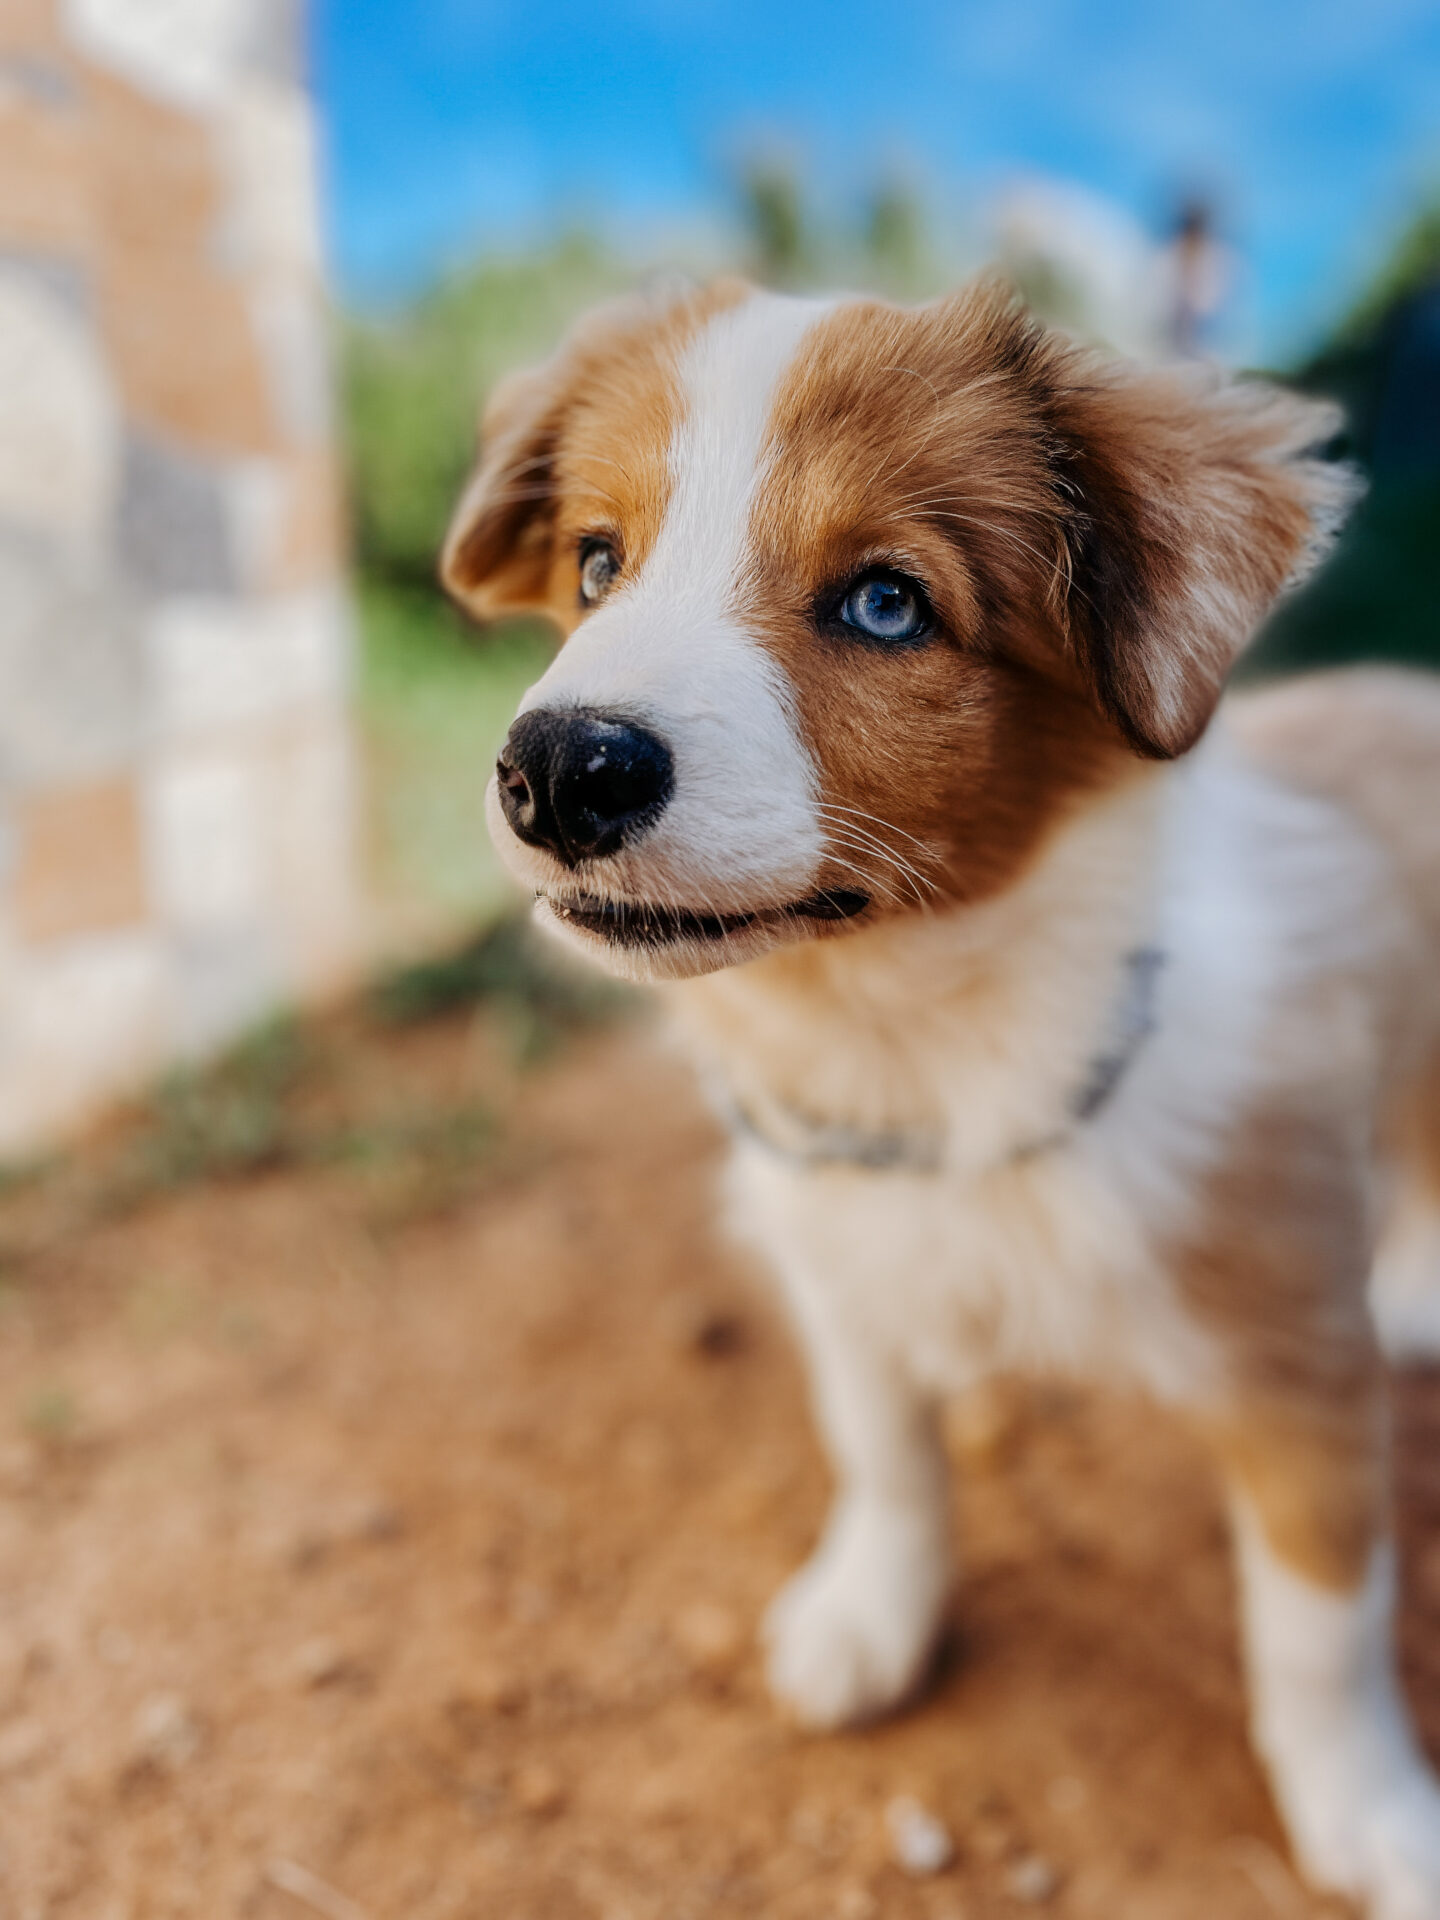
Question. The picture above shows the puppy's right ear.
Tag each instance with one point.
(499, 549)
(496, 556)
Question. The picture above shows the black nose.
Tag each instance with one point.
(582, 783)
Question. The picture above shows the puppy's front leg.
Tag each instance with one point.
(1317, 1584)
(852, 1632)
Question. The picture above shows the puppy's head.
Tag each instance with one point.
(858, 602)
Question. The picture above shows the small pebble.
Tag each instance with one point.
(497, 1690)
(166, 1732)
(114, 1646)
(855, 1902)
(990, 1835)
(379, 1520)
(918, 1840)
(1067, 1794)
(321, 1662)
(708, 1635)
(658, 1796)
(21, 1744)
(1032, 1878)
(538, 1789)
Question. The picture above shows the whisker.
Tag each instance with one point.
(859, 813)
(916, 881)
(849, 818)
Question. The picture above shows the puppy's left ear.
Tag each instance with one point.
(1186, 507)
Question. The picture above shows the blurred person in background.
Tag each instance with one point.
(1197, 276)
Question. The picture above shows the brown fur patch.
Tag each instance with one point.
(576, 448)
(899, 438)
(1277, 1274)
(1096, 542)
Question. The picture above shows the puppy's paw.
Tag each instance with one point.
(851, 1634)
(1380, 1846)
(1402, 1844)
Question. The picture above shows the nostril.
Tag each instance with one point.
(582, 783)
(512, 781)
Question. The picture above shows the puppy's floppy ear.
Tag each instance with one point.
(497, 553)
(1187, 503)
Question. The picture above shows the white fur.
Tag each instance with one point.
(1362, 1808)
(850, 1635)
(984, 1023)
(741, 830)
(1405, 1290)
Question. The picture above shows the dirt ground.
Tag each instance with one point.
(387, 1550)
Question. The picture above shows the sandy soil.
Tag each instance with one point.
(401, 1559)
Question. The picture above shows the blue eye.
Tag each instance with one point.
(886, 607)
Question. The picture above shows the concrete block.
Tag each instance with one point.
(79, 867)
(223, 985)
(174, 519)
(182, 51)
(217, 665)
(266, 143)
(86, 1019)
(58, 425)
(311, 548)
(204, 842)
(30, 28)
(293, 337)
(311, 792)
(73, 698)
(45, 181)
(273, 43)
(177, 323)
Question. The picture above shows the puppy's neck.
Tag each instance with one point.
(979, 1024)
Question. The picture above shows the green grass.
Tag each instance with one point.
(436, 699)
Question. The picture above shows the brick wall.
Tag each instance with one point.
(176, 778)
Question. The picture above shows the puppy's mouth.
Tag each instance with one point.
(632, 923)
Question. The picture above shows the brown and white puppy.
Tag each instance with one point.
(1054, 1035)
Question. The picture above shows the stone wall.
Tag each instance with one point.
(176, 777)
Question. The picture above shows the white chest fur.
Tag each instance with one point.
(978, 1028)
(1043, 1265)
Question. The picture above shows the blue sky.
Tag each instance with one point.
(454, 125)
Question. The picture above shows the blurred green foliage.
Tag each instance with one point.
(537, 999)
(1377, 599)
(331, 1093)
(1379, 595)
(781, 241)
(224, 1119)
(436, 699)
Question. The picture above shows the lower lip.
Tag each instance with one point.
(645, 926)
